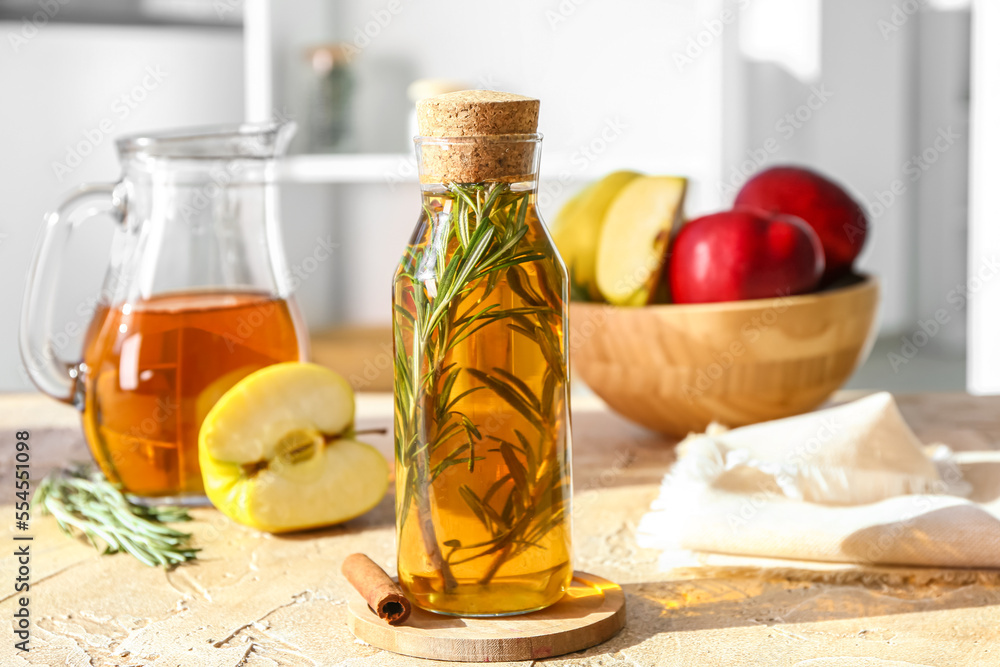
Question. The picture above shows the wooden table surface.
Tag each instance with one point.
(255, 599)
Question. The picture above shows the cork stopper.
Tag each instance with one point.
(486, 125)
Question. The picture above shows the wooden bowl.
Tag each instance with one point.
(674, 368)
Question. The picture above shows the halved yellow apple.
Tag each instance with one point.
(635, 236)
(277, 451)
(578, 228)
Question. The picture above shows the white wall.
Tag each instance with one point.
(58, 87)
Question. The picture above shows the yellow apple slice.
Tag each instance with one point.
(634, 238)
(578, 228)
(277, 453)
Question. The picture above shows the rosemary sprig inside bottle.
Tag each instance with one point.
(85, 504)
(477, 238)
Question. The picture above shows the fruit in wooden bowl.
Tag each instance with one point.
(718, 319)
(577, 228)
(635, 236)
(675, 368)
(823, 204)
(736, 255)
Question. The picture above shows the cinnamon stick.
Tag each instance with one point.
(382, 594)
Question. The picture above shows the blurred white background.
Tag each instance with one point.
(711, 89)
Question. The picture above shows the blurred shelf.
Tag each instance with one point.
(393, 168)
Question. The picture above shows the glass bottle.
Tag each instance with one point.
(482, 426)
(196, 297)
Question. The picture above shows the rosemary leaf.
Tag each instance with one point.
(407, 315)
(474, 503)
(522, 387)
(548, 391)
(449, 460)
(85, 504)
(549, 289)
(518, 281)
(529, 453)
(456, 399)
(506, 247)
(463, 223)
(513, 261)
(511, 397)
(496, 486)
(522, 213)
(496, 190)
(515, 467)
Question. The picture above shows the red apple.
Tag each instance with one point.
(834, 215)
(741, 254)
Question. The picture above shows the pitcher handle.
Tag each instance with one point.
(46, 370)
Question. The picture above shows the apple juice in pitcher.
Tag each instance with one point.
(197, 296)
(155, 369)
(481, 387)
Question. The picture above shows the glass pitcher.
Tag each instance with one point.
(196, 297)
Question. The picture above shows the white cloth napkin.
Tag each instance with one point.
(849, 484)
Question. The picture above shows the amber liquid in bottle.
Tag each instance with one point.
(482, 475)
(155, 368)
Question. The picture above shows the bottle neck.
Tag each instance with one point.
(505, 159)
(526, 188)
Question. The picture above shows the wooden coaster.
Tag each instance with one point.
(591, 612)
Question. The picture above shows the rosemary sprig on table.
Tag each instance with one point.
(476, 242)
(84, 503)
